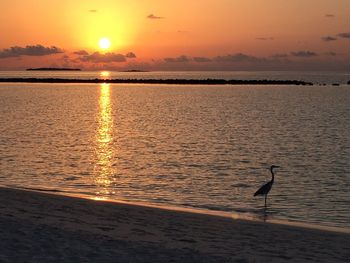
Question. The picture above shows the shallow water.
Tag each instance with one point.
(195, 146)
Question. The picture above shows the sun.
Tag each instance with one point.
(104, 43)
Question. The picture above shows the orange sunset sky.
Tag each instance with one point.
(176, 35)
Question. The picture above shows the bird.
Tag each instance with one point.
(265, 189)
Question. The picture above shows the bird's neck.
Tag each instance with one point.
(273, 176)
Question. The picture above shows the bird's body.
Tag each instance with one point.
(265, 189)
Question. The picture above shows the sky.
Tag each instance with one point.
(176, 35)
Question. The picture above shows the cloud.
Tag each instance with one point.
(329, 38)
(235, 61)
(93, 10)
(264, 38)
(216, 61)
(97, 57)
(304, 54)
(182, 59)
(152, 16)
(331, 53)
(329, 15)
(37, 50)
(278, 56)
(201, 59)
(130, 55)
(344, 35)
(81, 53)
(239, 57)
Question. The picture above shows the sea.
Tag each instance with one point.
(205, 147)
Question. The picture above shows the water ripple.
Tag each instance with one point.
(206, 147)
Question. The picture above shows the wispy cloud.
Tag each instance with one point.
(36, 50)
(304, 54)
(329, 15)
(344, 35)
(93, 11)
(239, 57)
(181, 59)
(81, 53)
(152, 16)
(279, 56)
(227, 59)
(331, 53)
(265, 38)
(97, 57)
(329, 38)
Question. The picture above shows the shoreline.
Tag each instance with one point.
(74, 229)
(248, 216)
(158, 81)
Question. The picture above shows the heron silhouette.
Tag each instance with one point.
(265, 189)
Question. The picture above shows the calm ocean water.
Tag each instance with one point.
(194, 146)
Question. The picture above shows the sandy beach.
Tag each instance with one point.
(41, 227)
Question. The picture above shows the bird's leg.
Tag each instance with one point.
(265, 200)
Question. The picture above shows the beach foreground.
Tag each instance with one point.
(40, 227)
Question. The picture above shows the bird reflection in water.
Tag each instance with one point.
(103, 170)
(264, 215)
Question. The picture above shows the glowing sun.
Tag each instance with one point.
(104, 43)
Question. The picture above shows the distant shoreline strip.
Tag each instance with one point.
(159, 81)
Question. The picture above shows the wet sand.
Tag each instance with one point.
(41, 227)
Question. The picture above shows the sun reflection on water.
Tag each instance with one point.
(104, 143)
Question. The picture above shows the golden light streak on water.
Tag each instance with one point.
(103, 169)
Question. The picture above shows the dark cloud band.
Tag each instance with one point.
(181, 59)
(344, 35)
(98, 57)
(36, 50)
(304, 54)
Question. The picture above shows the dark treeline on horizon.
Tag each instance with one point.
(160, 81)
(53, 69)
